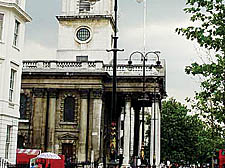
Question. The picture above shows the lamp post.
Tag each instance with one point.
(158, 64)
(114, 50)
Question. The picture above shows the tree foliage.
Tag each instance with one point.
(185, 138)
(209, 32)
(210, 16)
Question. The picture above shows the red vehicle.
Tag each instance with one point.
(220, 159)
(24, 156)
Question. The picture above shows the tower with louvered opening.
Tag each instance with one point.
(85, 30)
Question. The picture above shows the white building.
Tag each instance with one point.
(12, 27)
(85, 30)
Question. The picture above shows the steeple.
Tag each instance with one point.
(85, 30)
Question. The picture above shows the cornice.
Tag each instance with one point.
(16, 8)
(88, 16)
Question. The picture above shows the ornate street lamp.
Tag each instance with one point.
(145, 98)
(114, 50)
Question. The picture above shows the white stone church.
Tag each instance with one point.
(65, 103)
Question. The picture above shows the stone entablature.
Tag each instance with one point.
(94, 66)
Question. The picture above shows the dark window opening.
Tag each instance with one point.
(84, 6)
(82, 58)
(23, 106)
(69, 108)
(20, 142)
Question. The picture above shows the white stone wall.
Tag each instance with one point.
(101, 7)
(20, 3)
(4, 122)
(10, 58)
(95, 49)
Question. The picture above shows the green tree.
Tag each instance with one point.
(184, 138)
(209, 32)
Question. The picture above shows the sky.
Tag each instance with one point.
(163, 17)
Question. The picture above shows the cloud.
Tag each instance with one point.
(162, 18)
(35, 50)
(177, 51)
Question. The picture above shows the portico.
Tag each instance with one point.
(56, 87)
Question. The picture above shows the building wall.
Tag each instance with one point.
(95, 48)
(47, 109)
(101, 7)
(97, 17)
(10, 58)
(20, 3)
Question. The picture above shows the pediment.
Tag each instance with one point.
(68, 136)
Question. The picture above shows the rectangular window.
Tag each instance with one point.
(11, 85)
(81, 58)
(84, 6)
(1, 25)
(16, 33)
(8, 137)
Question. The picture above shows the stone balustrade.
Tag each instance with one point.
(92, 66)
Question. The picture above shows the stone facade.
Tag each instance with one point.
(90, 87)
(67, 102)
(12, 28)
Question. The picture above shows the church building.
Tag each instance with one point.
(66, 102)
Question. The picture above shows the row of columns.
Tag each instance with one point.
(90, 122)
(129, 132)
(90, 126)
(91, 111)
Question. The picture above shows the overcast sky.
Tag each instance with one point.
(163, 16)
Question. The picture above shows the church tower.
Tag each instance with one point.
(85, 30)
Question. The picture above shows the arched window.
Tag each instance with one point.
(69, 109)
(23, 106)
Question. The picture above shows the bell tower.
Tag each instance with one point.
(85, 30)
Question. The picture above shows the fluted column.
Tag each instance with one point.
(127, 132)
(39, 119)
(96, 122)
(155, 133)
(83, 126)
(51, 120)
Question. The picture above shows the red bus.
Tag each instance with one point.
(220, 159)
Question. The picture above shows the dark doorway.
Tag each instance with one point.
(67, 150)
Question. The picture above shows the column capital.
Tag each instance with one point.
(84, 93)
(53, 93)
(127, 97)
(97, 93)
(39, 93)
(137, 108)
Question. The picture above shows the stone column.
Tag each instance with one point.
(96, 123)
(83, 126)
(140, 133)
(155, 132)
(38, 119)
(126, 137)
(132, 132)
(51, 120)
(136, 130)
